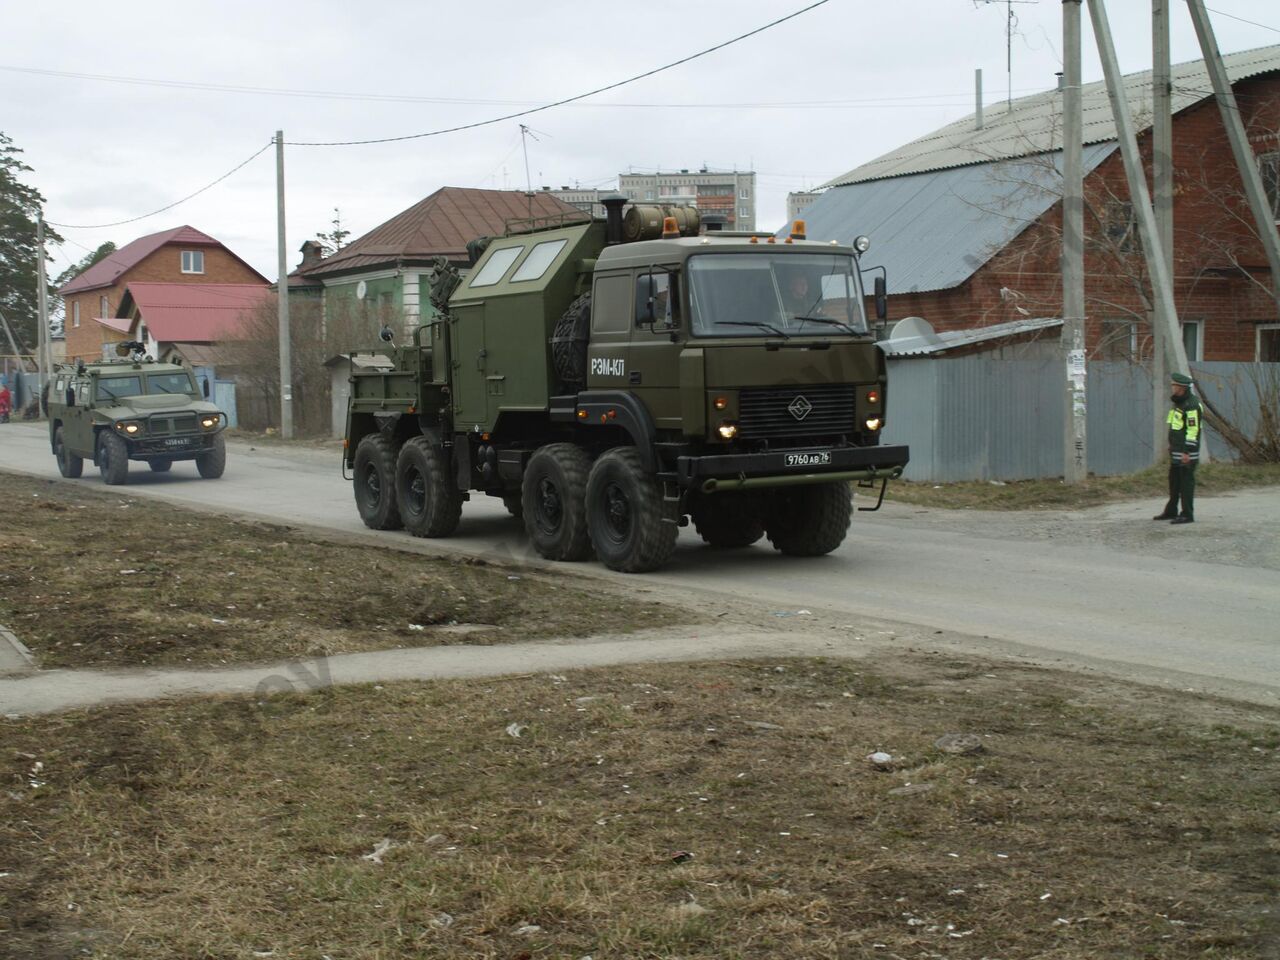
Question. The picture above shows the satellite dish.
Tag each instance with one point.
(911, 327)
(361, 289)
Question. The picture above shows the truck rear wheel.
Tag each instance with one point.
(113, 458)
(810, 521)
(374, 466)
(624, 514)
(212, 464)
(69, 465)
(554, 498)
(430, 504)
(728, 520)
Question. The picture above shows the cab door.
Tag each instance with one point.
(78, 424)
(470, 362)
(653, 368)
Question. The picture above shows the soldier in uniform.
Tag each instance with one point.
(1184, 451)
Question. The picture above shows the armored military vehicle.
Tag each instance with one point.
(612, 379)
(114, 411)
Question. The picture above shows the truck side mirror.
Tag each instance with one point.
(205, 383)
(882, 299)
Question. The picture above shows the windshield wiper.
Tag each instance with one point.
(755, 323)
(829, 322)
(156, 386)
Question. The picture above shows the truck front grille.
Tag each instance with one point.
(780, 413)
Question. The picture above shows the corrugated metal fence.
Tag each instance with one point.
(979, 418)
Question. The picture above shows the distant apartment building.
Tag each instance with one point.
(725, 198)
(798, 203)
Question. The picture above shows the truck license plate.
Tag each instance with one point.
(818, 459)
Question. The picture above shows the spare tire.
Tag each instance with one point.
(569, 345)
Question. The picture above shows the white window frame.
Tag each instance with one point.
(75, 313)
(744, 213)
(196, 260)
(1113, 323)
(1257, 339)
(104, 307)
(1199, 325)
(744, 193)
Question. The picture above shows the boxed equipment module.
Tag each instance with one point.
(611, 379)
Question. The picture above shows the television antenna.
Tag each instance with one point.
(1010, 27)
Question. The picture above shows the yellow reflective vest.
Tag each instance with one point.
(1184, 428)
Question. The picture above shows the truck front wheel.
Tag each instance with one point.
(624, 514)
(113, 458)
(554, 499)
(69, 465)
(810, 521)
(374, 466)
(430, 505)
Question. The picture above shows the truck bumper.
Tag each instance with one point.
(747, 471)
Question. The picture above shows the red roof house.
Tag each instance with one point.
(186, 320)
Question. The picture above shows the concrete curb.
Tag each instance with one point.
(15, 658)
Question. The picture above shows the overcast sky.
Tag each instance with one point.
(799, 103)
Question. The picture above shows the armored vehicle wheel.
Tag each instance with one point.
(728, 520)
(375, 483)
(160, 466)
(810, 521)
(213, 462)
(624, 514)
(514, 505)
(430, 503)
(554, 500)
(69, 465)
(113, 458)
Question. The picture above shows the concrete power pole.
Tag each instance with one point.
(1162, 184)
(44, 354)
(1152, 249)
(1075, 454)
(282, 297)
(1252, 180)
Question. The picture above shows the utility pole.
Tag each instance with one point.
(1162, 183)
(1152, 249)
(44, 354)
(1252, 180)
(282, 297)
(1075, 453)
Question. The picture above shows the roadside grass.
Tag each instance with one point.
(94, 578)
(715, 810)
(1149, 484)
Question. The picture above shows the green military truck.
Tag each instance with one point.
(114, 411)
(612, 379)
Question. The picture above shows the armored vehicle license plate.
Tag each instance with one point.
(178, 442)
(815, 459)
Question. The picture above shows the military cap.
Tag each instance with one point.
(1181, 378)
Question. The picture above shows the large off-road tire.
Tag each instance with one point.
(569, 344)
(810, 521)
(160, 466)
(374, 466)
(69, 465)
(113, 459)
(554, 498)
(624, 514)
(213, 462)
(514, 504)
(728, 520)
(430, 503)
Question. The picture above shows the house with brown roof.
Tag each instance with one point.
(381, 273)
(180, 256)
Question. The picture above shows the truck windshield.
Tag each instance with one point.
(762, 295)
(170, 383)
(113, 388)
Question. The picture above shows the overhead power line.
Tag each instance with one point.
(1252, 23)
(170, 206)
(566, 100)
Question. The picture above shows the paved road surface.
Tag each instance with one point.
(1103, 588)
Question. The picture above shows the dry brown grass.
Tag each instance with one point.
(1098, 822)
(94, 578)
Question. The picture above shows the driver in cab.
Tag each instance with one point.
(798, 297)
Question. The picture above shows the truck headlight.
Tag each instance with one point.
(727, 429)
(209, 421)
(874, 423)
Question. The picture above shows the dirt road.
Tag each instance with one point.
(1105, 588)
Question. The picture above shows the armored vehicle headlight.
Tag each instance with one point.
(873, 396)
(129, 428)
(727, 429)
(874, 423)
(209, 421)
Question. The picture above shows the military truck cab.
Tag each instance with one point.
(111, 412)
(612, 381)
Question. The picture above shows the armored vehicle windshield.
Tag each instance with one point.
(118, 387)
(115, 388)
(749, 295)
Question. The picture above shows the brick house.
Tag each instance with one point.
(967, 220)
(183, 255)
